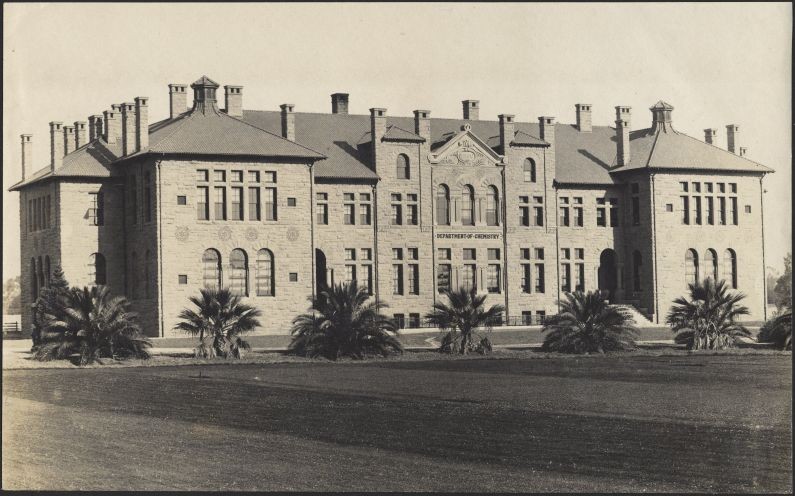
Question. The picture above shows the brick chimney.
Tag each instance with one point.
(27, 153)
(471, 109)
(622, 136)
(178, 99)
(80, 134)
(377, 131)
(743, 151)
(339, 103)
(141, 123)
(583, 117)
(94, 127)
(546, 127)
(68, 140)
(56, 145)
(127, 128)
(625, 114)
(711, 136)
(507, 125)
(233, 100)
(288, 121)
(422, 124)
(112, 126)
(732, 130)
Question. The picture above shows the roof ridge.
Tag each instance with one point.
(653, 148)
(724, 151)
(275, 135)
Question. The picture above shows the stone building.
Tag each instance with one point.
(273, 204)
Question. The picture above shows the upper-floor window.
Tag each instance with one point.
(691, 267)
(529, 170)
(468, 205)
(238, 274)
(96, 214)
(264, 275)
(321, 208)
(443, 205)
(492, 206)
(403, 170)
(211, 261)
(730, 268)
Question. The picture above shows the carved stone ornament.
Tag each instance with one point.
(252, 234)
(224, 234)
(182, 233)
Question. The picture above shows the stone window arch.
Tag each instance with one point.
(238, 273)
(711, 264)
(403, 167)
(468, 205)
(529, 170)
(443, 205)
(730, 267)
(264, 275)
(492, 206)
(211, 261)
(691, 266)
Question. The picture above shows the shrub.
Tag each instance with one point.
(461, 317)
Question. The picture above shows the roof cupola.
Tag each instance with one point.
(204, 95)
(661, 117)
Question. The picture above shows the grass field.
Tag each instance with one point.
(630, 423)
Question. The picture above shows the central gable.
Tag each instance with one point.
(465, 149)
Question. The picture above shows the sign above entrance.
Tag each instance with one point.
(496, 235)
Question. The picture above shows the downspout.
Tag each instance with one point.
(557, 251)
(435, 282)
(160, 247)
(504, 222)
(312, 227)
(764, 264)
(654, 252)
(375, 249)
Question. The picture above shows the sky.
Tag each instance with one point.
(717, 64)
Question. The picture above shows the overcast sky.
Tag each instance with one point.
(717, 64)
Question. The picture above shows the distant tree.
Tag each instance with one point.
(461, 316)
(218, 321)
(778, 330)
(707, 317)
(783, 287)
(770, 282)
(51, 301)
(93, 325)
(586, 323)
(342, 322)
(12, 296)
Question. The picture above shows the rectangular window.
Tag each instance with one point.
(219, 175)
(412, 253)
(397, 218)
(96, 213)
(237, 204)
(349, 214)
(685, 207)
(400, 320)
(721, 187)
(601, 220)
(538, 216)
(635, 211)
(578, 217)
(203, 175)
(397, 279)
(580, 277)
(493, 253)
(538, 253)
(527, 317)
(203, 203)
(367, 278)
(469, 254)
(411, 214)
(733, 209)
(697, 209)
(683, 186)
(220, 203)
(291, 202)
(468, 276)
(414, 320)
(539, 278)
(367, 254)
(722, 210)
(414, 279)
(182, 200)
(708, 187)
(350, 274)
(747, 208)
(696, 187)
(270, 177)
(321, 213)
(350, 254)
(524, 216)
(253, 176)
(364, 214)
(443, 277)
(733, 188)
(526, 278)
(613, 213)
(579, 253)
(237, 176)
(564, 216)
(565, 277)
(565, 253)
(710, 209)
(443, 253)
(397, 253)
(254, 205)
(493, 278)
(270, 204)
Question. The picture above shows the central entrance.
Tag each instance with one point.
(608, 273)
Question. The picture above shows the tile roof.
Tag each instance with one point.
(394, 133)
(91, 160)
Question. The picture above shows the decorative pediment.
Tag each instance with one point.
(465, 149)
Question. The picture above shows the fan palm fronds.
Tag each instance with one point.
(462, 319)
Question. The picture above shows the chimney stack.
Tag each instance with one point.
(506, 131)
(625, 114)
(27, 153)
(111, 131)
(377, 131)
(622, 136)
(584, 117)
(743, 151)
(80, 134)
(422, 124)
(68, 140)
(471, 109)
(94, 127)
(141, 123)
(732, 142)
(127, 128)
(178, 99)
(339, 103)
(546, 127)
(56, 145)
(233, 100)
(288, 121)
(711, 136)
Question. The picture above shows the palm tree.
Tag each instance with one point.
(341, 322)
(50, 301)
(461, 317)
(218, 322)
(586, 323)
(93, 324)
(707, 318)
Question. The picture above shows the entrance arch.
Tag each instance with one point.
(608, 273)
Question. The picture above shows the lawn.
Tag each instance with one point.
(682, 423)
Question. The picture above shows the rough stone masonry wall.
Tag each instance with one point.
(675, 238)
(183, 240)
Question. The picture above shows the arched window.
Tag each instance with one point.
(34, 279)
(40, 268)
(147, 273)
(403, 171)
(212, 269)
(711, 265)
(134, 268)
(238, 275)
(47, 269)
(529, 170)
(492, 206)
(730, 268)
(467, 205)
(637, 264)
(691, 267)
(96, 269)
(264, 273)
(443, 205)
